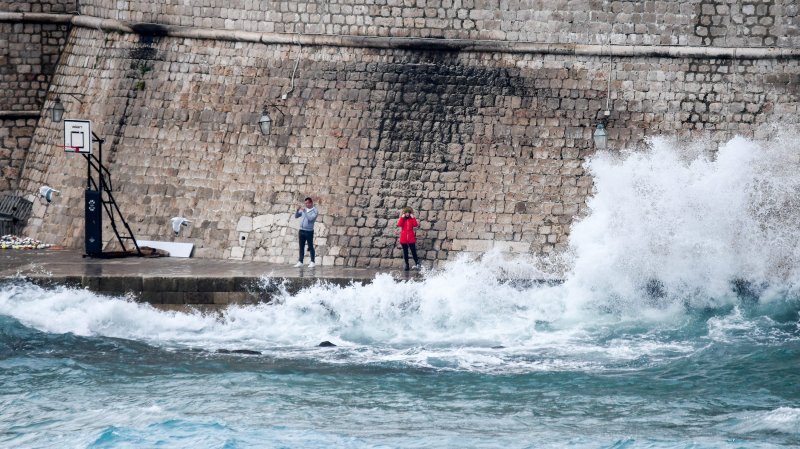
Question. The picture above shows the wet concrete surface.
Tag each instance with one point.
(166, 280)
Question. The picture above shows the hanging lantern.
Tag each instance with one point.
(265, 123)
(600, 137)
(58, 110)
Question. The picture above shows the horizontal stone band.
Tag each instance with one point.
(19, 114)
(409, 43)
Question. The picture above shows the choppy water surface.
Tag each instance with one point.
(677, 326)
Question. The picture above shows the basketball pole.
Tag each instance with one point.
(78, 137)
(95, 191)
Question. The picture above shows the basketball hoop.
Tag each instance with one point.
(77, 136)
(70, 150)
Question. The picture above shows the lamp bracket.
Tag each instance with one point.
(74, 95)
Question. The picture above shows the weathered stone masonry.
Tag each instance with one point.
(487, 146)
(724, 23)
(28, 56)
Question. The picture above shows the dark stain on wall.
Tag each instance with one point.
(142, 57)
(421, 129)
(150, 31)
(431, 102)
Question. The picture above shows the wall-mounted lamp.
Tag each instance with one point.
(265, 123)
(58, 107)
(600, 137)
(58, 110)
(266, 120)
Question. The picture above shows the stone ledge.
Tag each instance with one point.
(168, 280)
(184, 282)
(11, 115)
(408, 43)
(36, 17)
(186, 290)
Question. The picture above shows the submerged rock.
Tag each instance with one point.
(326, 344)
(238, 351)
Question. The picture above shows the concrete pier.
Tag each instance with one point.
(174, 281)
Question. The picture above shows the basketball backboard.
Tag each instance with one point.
(78, 136)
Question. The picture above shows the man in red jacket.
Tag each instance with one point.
(407, 223)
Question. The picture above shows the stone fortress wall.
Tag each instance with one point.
(28, 56)
(487, 146)
(728, 23)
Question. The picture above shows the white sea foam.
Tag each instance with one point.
(425, 324)
(782, 420)
(81, 312)
(669, 228)
(686, 224)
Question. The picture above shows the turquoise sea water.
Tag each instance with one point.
(720, 377)
(677, 326)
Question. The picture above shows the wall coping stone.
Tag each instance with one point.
(35, 17)
(18, 114)
(406, 43)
